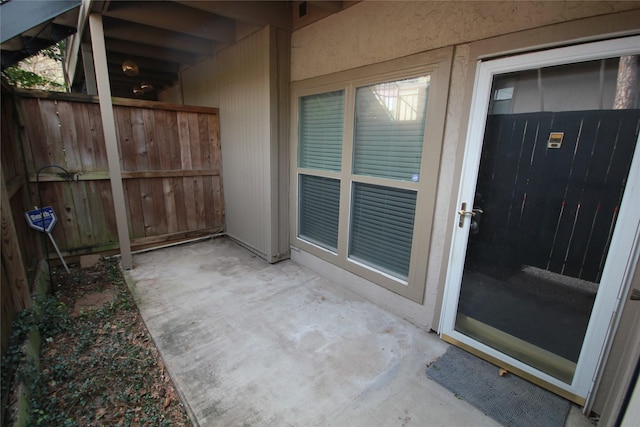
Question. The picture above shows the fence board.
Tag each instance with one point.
(153, 156)
(95, 204)
(209, 201)
(67, 125)
(83, 135)
(96, 138)
(194, 138)
(34, 130)
(184, 137)
(139, 139)
(169, 205)
(52, 137)
(206, 141)
(163, 140)
(214, 133)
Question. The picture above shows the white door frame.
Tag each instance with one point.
(623, 252)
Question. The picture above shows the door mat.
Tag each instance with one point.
(510, 400)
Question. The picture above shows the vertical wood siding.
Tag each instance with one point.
(170, 162)
(245, 110)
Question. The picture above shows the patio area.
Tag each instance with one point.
(252, 343)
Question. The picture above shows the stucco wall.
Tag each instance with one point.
(376, 31)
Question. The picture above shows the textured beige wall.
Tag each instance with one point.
(375, 31)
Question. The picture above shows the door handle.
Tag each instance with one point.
(464, 212)
(635, 294)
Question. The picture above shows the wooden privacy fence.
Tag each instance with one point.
(170, 162)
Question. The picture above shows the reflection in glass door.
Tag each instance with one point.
(556, 154)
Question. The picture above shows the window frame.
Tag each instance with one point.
(436, 64)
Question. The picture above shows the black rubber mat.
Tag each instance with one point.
(510, 400)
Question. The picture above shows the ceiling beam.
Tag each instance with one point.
(116, 74)
(153, 52)
(153, 64)
(124, 30)
(277, 13)
(174, 17)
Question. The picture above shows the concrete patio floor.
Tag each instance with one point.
(253, 344)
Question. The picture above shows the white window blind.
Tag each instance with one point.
(389, 129)
(318, 211)
(320, 131)
(382, 228)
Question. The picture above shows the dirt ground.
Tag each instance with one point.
(103, 368)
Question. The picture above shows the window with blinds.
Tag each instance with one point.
(319, 205)
(382, 228)
(320, 131)
(320, 135)
(382, 141)
(366, 159)
(388, 133)
(389, 129)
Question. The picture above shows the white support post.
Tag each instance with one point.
(111, 142)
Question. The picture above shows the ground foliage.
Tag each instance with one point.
(98, 363)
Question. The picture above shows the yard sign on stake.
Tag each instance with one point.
(43, 220)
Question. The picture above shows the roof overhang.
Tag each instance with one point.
(28, 26)
(162, 38)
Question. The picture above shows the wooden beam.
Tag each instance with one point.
(179, 173)
(148, 51)
(140, 33)
(174, 17)
(155, 64)
(143, 243)
(125, 102)
(161, 77)
(101, 176)
(110, 138)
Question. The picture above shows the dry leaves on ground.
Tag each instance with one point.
(104, 368)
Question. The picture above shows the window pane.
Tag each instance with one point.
(389, 129)
(318, 210)
(320, 138)
(382, 228)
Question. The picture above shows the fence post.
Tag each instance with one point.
(111, 142)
